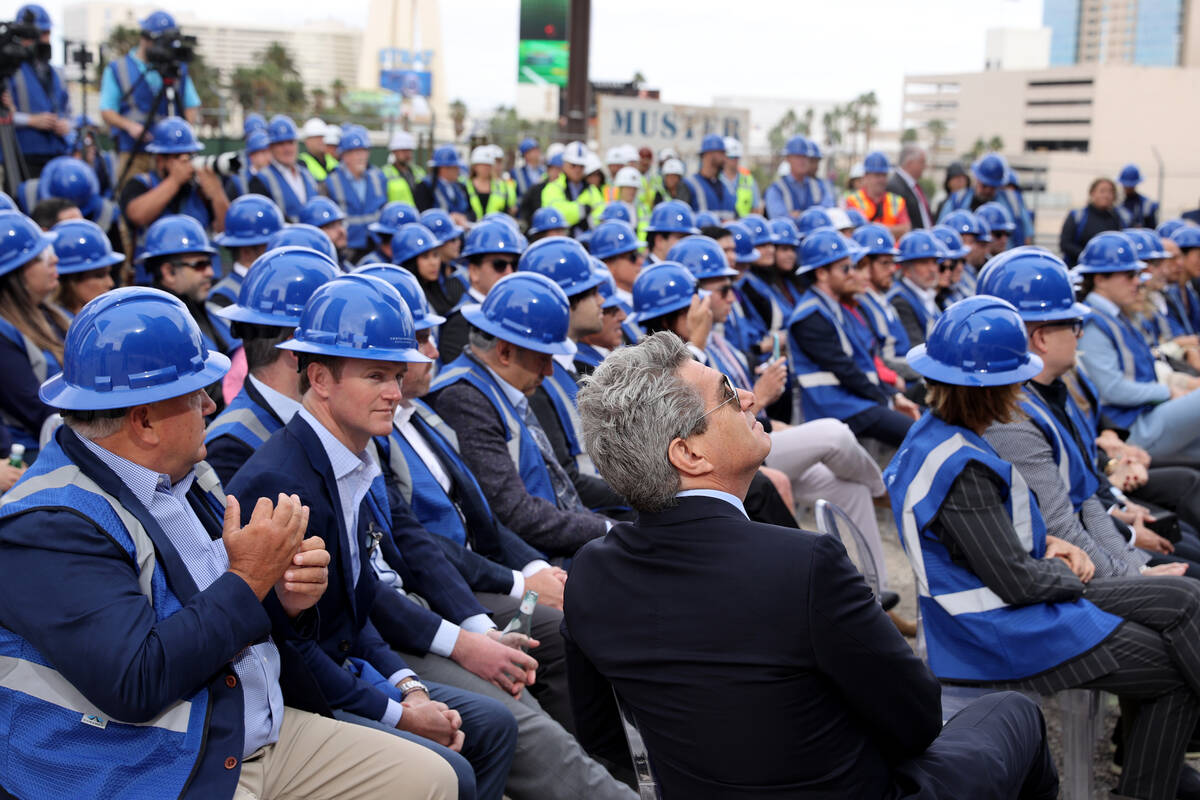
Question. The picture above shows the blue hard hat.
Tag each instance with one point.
(71, 179)
(607, 286)
(796, 146)
(812, 218)
(613, 238)
(527, 309)
(321, 211)
(713, 142)
(412, 240)
(963, 221)
(876, 161)
(743, 243)
(253, 122)
(257, 141)
(6, 203)
(555, 161)
(492, 237)
(442, 226)
(990, 170)
(672, 216)
(563, 261)
(760, 229)
(175, 234)
(978, 341)
(172, 135)
(1036, 282)
(357, 316)
(302, 235)
(392, 217)
(1109, 251)
(281, 128)
(527, 144)
(445, 156)
(279, 283)
(410, 289)
(875, 240)
(996, 217)
(618, 210)
(82, 246)
(491, 216)
(785, 232)
(1130, 175)
(856, 217)
(131, 346)
(707, 219)
(1149, 246)
(251, 219)
(952, 243)
(823, 247)
(36, 14)
(1187, 237)
(814, 149)
(662, 288)
(354, 139)
(545, 219)
(23, 240)
(1167, 229)
(919, 244)
(158, 22)
(703, 256)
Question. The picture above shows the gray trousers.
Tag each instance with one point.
(549, 763)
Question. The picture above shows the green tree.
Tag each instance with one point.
(338, 87)
(781, 131)
(318, 101)
(909, 136)
(119, 42)
(995, 143)
(458, 114)
(936, 129)
(273, 84)
(867, 104)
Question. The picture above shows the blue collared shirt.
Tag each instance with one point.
(1099, 358)
(257, 666)
(716, 494)
(284, 407)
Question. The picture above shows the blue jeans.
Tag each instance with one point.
(488, 748)
(1170, 431)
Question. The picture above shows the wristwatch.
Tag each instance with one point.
(410, 685)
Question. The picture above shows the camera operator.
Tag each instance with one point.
(129, 88)
(174, 186)
(37, 97)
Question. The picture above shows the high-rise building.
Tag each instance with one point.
(1148, 33)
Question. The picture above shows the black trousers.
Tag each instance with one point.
(1175, 489)
(885, 424)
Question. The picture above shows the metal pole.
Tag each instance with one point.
(1161, 173)
(578, 35)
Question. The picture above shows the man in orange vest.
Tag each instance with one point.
(873, 199)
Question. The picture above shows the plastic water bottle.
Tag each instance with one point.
(16, 456)
(523, 621)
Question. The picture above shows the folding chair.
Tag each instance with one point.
(647, 785)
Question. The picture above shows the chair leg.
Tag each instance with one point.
(1078, 709)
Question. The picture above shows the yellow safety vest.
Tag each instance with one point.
(315, 168)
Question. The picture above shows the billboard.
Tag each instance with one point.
(408, 82)
(633, 120)
(542, 53)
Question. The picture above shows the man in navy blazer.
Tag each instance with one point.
(754, 658)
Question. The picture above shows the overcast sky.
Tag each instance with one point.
(696, 50)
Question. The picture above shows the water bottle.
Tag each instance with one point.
(523, 621)
(16, 456)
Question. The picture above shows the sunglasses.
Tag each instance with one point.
(731, 395)
(503, 264)
(198, 264)
(1076, 326)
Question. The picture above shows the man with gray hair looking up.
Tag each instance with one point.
(904, 182)
(798, 630)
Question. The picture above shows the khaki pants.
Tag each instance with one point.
(324, 759)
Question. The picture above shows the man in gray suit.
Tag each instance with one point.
(904, 182)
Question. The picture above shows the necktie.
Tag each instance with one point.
(565, 496)
(924, 204)
(735, 365)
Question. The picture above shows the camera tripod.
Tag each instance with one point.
(15, 169)
(166, 92)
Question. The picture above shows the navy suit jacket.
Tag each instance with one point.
(819, 340)
(754, 658)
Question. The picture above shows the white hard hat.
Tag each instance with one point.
(554, 149)
(628, 176)
(667, 152)
(576, 153)
(402, 140)
(482, 155)
(629, 154)
(733, 148)
(673, 166)
(839, 218)
(591, 163)
(615, 155)
(314, 127)
(784, 168)
(333, 135)
(857, 171)
(497, 152)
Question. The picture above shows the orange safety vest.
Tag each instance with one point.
(889, 214)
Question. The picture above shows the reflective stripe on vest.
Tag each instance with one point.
(561, 387)
(820, 392)
(28, 196)
(1135, 366)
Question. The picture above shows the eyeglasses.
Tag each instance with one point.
(999, 233)
(724, 291)
(198, 264)
(503, 264)
(1076, 326)
(731, 395)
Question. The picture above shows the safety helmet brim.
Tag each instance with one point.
(98, 263)
(474, 315)
(406, 355)
(933, 369)
(57, 393)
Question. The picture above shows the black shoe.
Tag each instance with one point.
(1189, 784)
(888, 599)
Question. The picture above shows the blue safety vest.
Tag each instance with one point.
(245, 420)
(711, 196)
(58, 744)
(901, 289)
(781, 307)
(1074, 467)
(362, 210)
(963, 199)
(787, 196)
(971, 633)
(1136, 217)
(527, 176)
(128, 71)
(562, 388)
(885, 325)
(228, 287)
(1134, 358)
(44, 365)
(282, 193)
(821, 394)
(968, 280)
(522, 448)
(29, 95)
(449, 196)
(193, 207)
(586, 354)
(821, 192)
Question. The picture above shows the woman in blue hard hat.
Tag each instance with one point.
(31, 329)
(1081, 224)
(85, 261)
(416, 248)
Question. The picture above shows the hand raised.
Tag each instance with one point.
(260, 551)
(306, 579)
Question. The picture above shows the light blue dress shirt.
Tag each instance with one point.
(1099, 358)
(716, 494)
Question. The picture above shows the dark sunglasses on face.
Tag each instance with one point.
(198, 264)
(503, 264)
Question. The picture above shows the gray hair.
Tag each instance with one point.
(481, 341)
(93, 425)
(631, 408)
(909, 152)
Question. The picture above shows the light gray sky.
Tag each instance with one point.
(699, 49)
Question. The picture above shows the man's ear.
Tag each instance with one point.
(141, 426)
(686, 460)
(505, 352)
(320, 379)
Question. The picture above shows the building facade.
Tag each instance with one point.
(1148, 33)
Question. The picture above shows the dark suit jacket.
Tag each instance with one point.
(897, 185)
(755, 659)
(913, 327)
(485, 450)
(818, 338)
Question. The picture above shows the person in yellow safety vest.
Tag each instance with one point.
(875, 202)
(614, 160)
(402, 176)
(626, 185)
(569, 194)
(485, 194)
(504, 176)
(739, 182)
(317, 159)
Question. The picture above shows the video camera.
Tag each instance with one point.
(169, 51)
(20, 42)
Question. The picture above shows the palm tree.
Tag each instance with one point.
(995, 143)
(318, 99)
(806, 121)
(458, 114)
(338, 87)
(868, 104)
(937, 129)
